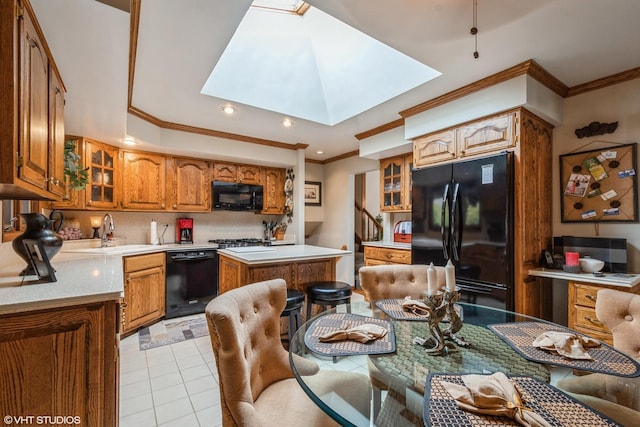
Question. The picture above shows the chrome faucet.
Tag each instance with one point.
(112, 227)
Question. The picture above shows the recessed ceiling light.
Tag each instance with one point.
(319, 152)
(228, 109)
(287, 122)
(128, 140)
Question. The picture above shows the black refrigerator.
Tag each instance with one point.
(463, 211)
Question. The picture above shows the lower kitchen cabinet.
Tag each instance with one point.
(297, 274)
(582, 310)
(61, 362)
(144, 291)
(376, 255)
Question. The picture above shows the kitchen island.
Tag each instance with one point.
(298, 265)
(59, 341)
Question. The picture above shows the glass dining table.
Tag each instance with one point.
(408, 380)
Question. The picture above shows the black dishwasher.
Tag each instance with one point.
(191, 281)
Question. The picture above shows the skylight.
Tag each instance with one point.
(310, 66)
(290, 6)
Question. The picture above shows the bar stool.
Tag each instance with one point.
(295, 300)
(328, 293)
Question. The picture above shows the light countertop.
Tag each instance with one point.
(629, 281)
(271, 254)
(81, 279)
(390, 245)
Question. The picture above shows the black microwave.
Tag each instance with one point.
(236, 197)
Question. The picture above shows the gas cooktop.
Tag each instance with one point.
(234, 243)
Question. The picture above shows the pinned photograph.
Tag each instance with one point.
(577, 185)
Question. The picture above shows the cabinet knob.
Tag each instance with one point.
(175, 206)
(591, 297)
(592, 320)
(452, 153)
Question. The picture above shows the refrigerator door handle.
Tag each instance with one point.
(444, 232)
(455, 223)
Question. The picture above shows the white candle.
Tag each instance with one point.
(432, 280)
(450, 272)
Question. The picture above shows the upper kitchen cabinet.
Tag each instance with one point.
(32, 102)
(189, 185)
(103, 163)
(244, 174)
(274, 197)
(143, 181)
(481, 137)
(395, 183)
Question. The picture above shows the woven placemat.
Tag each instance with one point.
(487, 353)
(606, 359)
(392, 307)
(335, 321)
(556, 407)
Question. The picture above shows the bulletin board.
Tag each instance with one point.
(600, 185)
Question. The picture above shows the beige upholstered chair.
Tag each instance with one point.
(392, 281)
(618, 398)
(396, 280)
(257, 386)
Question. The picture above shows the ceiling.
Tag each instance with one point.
(179, 43)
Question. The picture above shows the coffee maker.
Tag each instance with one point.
(184, 230)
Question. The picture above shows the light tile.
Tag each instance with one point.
(189, 421)
(211, 416)
(136, 389)
(195, 372)
(128, 364)
(190, 361)
(200, 385)
(127, 378)
(184, 349)
(135, 404)
(173, 410)
(204, 400)
(163, 369)
(146, 418)
(169, 394)
(164, 381)
(159, 358)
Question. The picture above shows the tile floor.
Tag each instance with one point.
(177, 384)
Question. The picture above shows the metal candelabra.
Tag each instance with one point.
(441, 305)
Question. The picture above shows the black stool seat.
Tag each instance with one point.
(295, 301)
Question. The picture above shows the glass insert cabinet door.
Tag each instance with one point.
(392, 184)
(101, 160)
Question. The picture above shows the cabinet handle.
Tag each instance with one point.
(592, 320)
(128, 278)
(452, 153)
(591, 297)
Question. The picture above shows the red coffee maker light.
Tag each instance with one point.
(184, 230)
(571, 258)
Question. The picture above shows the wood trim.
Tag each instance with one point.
(529, 67)
(334, 159)
(210, 132)
(380, 129)
(624, 76)
(133, 46)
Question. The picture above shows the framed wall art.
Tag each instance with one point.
(600, 185)
(312, 193)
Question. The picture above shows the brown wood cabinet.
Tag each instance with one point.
(143, 181)
(102, 191)
(61, 362)
(273, 197)
(395, 183)
(582, 309)
(144, 290)
(529, 138)
(376, 255)
(488, 135)
(189, 185)
(32, 103)
(297, 274)
(231, 172)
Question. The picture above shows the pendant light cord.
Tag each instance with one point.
(474, 28)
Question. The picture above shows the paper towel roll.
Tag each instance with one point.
(153, 232)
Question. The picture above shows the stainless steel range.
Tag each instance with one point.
(234, 243)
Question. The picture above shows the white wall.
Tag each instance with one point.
(619, 103)
(337, 229)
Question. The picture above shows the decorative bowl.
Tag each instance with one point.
(591, 265)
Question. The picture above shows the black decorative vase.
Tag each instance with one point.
(39, 228)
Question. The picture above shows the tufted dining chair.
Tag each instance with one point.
(257, 385)
(392, 281)
(618, 398)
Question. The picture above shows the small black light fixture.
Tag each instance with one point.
(474, 28)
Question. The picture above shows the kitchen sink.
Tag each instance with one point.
(116, 250)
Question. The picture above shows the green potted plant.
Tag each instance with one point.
(77, 176)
